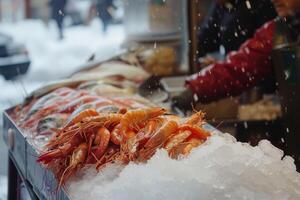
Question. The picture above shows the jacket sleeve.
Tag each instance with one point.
(241, 70)
(208, 40)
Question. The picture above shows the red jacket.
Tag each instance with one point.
(240, 71)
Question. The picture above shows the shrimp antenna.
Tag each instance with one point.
(219, 124)
(62, 176)
(193, 108)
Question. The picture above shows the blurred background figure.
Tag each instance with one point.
(105, 8)
(228, 24)
(58, 14)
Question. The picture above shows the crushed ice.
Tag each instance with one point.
(219, 169)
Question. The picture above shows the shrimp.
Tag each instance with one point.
(157, 140)
(109, 156)
(80, 116)
(60, 151)
(149, 129)
(101, 141)
(133, 144)
(197, 131)
(184, 148)
(103, 120)
(89, 123)
(84, 128)
(176, 139)
(63, 136)
(192, 143)
(116, 135)
(134, 119)
(77, 161)
(196, 119)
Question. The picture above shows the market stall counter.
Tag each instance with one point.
(106, 88)
(93, 135)
(23, 167)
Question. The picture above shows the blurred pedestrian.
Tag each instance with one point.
(104, 11)
(58, 14)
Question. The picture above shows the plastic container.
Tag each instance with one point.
(173, 85)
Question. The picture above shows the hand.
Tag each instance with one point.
(184, 101)
(207, 60)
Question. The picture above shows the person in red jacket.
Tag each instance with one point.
(246, 67)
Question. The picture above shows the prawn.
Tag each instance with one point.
(60, 151)
(195, 119)
(176, 139)
(157, 140)
(82, 115)
(101, 142)
(133, 144)
(197, 131)
(77, 161)
(184, 148)
(134, 119)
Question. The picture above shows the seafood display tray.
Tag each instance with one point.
(40, 181)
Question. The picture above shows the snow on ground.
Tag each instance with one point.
(219, 169)
(53, 59)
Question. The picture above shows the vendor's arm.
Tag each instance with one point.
(241, 70)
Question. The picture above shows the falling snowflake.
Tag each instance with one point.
(287, 74)
(195, 97)
(245, 125)
(60, 12)
(248, 4)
